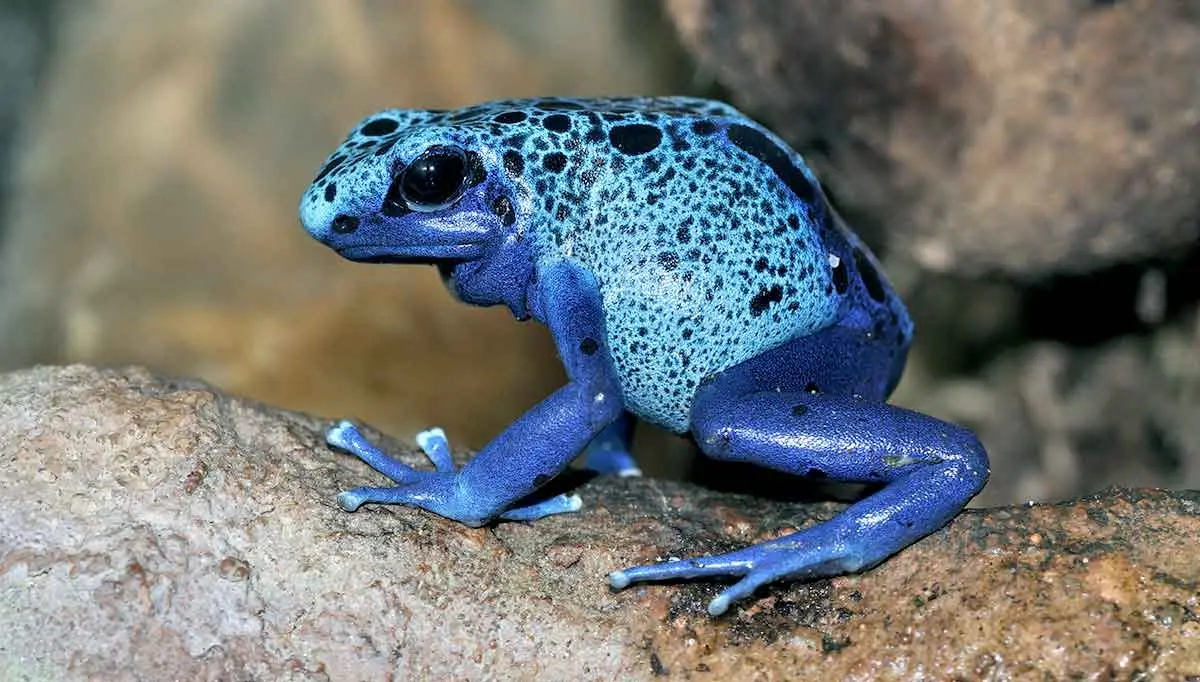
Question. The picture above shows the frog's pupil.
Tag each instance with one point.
(434, 178)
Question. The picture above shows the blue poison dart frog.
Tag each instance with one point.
(692, 274)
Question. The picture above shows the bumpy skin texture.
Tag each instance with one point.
(692, 275)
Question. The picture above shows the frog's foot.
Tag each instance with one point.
(435, 491)
(615, 462)
(608, 453)
(811, 553)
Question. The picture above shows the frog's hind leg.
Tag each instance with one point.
(768, 411)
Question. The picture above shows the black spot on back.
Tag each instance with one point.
(385, 148)
(511, 117)
(330, 191)
(869, 275)
(669, 260)
(379, 127)
(555, 162)
(703, 127)
(763, 299)
(762, 148)
(476, 172)
(514, 163)
(558, 123)
(333, 164)
(635, 138)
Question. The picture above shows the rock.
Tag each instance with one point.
(1009, 137)
(161, 529)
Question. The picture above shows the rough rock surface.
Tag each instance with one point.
(1016, 136)
(156, 529)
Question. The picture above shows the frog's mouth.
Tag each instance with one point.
(433, 254)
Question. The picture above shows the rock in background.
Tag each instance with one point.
(1018, 136)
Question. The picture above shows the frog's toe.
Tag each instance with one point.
(433, 443)
(342, 435)
(722, 565)
(739, 590)
(756, 565)
(733, 563)
(559, 504)
(345, 436)
(351, 500)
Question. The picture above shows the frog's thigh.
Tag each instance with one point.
(753, 413)
(815, 407)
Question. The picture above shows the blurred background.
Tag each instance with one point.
(1028, 172)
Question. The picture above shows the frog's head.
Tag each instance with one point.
(403, 187)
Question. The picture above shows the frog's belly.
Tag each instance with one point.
(666, 333)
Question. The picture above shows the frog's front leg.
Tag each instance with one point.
(931, 470)
(534, 448)
(345, 436)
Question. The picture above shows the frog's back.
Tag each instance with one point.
(704, 232)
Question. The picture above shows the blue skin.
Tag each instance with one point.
(692, 275)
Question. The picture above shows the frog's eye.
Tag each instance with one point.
(432, 181)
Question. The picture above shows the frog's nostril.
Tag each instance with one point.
(344, 224)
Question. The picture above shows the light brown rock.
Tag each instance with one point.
(154, 529)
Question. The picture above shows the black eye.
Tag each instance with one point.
(433, 180)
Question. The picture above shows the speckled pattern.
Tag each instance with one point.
(710, 238)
